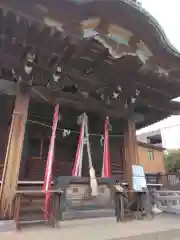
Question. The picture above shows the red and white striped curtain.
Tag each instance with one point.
(50, 158)
(106, 170)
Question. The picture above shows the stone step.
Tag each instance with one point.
(6, 226)
(72, 215)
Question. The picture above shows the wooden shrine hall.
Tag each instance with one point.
(103, 57)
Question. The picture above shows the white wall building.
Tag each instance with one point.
(169, 129)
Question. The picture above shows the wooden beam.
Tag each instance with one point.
(151, 117)
(46, 46)
(144, 83)
(75, 100)
(164, 85)
(14, 152)
(10, 62)
(161, 104)
(130, 151)
(149, 89)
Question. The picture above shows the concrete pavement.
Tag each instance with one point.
(162, 227)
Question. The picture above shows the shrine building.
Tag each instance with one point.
(103, 57)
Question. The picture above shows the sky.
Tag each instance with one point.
(167, 13)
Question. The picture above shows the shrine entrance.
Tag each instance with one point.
(84, 56)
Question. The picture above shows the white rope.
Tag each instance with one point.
(93, 180)
(81, 152)
(76, 132)
(85, 141)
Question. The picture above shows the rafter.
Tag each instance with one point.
(99, 59)
(65, 60)
(83, 103)
(161, 105)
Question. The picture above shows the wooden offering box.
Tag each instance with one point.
(77, 194)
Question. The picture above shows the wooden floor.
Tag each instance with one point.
(162, 228)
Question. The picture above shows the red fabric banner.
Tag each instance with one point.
(49, 163)
(106, 172)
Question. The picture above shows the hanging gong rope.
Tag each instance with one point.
(84, 141)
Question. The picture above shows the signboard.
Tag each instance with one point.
(138, 178)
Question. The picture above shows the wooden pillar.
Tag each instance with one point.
(130, 151)
(14, 152)
(24, 156)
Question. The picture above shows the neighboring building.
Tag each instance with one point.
(153, 138)
(151, 158)
(151, 152)
(165, 133)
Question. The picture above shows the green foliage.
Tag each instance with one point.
(172, 160)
